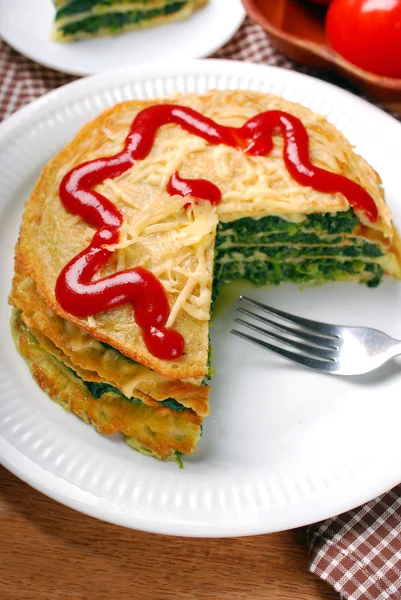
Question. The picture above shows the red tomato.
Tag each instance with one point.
(367, 33)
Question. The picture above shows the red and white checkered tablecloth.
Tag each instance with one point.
(359, 552)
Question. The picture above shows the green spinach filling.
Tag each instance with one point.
(83, 6)
(262, 273)
(116, 21)
(270, 250)
(98, 389)
(285, 250)
(245, 229)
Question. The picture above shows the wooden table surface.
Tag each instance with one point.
(50, 552)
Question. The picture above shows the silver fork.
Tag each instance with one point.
(328, 348)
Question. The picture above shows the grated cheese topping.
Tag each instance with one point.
(176, 244)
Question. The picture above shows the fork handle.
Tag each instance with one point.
(395, 350)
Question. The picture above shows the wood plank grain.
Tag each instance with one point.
(54, 553)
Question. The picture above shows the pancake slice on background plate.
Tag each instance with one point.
(261, 225)
(84, 19)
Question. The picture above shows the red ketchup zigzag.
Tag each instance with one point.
(79, 295)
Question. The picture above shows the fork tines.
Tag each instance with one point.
(315, 344)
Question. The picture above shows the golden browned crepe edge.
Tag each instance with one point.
(36, 315)
(107, 414)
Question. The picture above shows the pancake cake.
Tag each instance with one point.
(134, 225)
(85, 19)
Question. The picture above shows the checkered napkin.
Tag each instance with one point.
(359, 552)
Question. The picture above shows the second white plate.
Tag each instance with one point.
(283, 446)
(26, 26)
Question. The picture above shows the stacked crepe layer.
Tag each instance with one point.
(267, 229)
(83, 19)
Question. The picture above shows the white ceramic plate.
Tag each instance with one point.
(26, 26)
(283, 446)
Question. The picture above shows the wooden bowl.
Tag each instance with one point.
(297, 29)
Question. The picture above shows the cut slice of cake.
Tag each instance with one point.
(132, 228)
